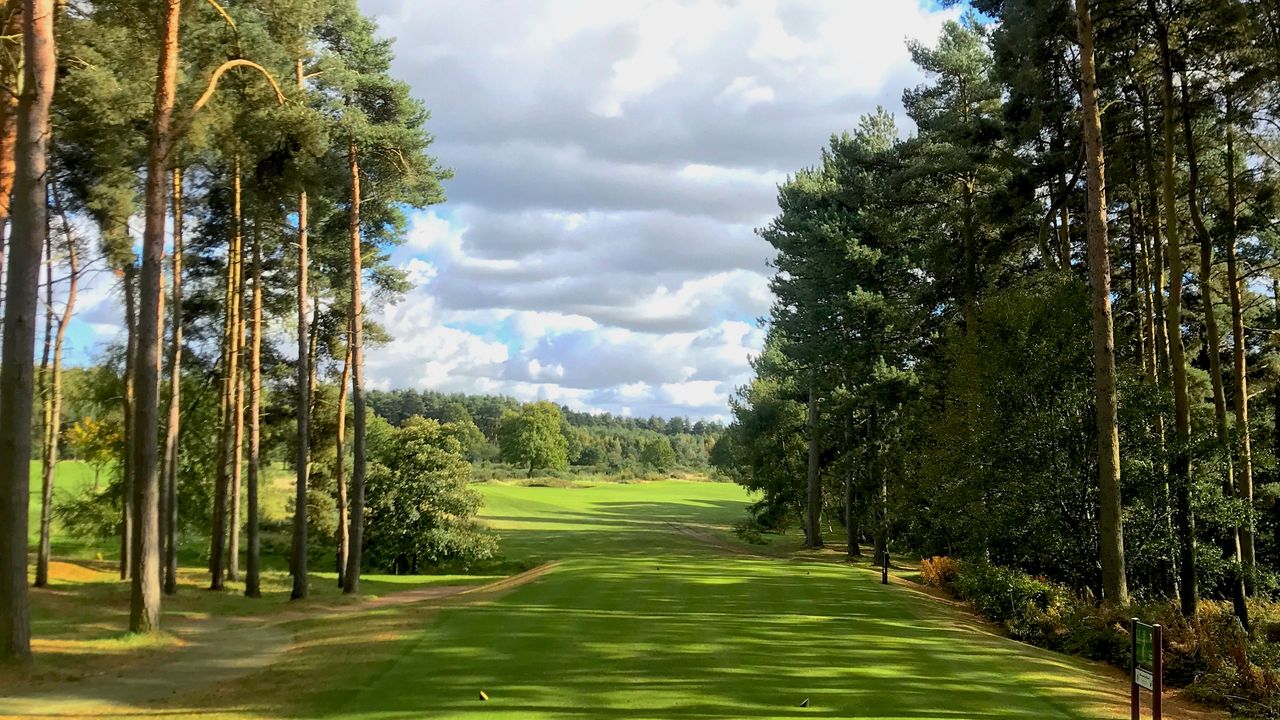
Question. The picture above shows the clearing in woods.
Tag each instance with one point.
(648, 614)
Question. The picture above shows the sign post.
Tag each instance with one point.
(1147, 665)
(884, 569)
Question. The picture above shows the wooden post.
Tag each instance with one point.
(884, 570)
(1134, 691)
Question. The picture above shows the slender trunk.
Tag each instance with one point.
(813, 496)
(1164, 371)
(352, 579)
(1115, 589)
(1213, 345)
(880, 486)
(850, 504)
(130, 286)
(174, 424)
(252, 586)
(1239, 350)
(16, 365)
(144, 615)
(45, 393)
(230, 373)
(54, 415)
(10, 70)
(1140, 326)
(1181, 466)
(340, 439)
(303, 457)
(237, 457)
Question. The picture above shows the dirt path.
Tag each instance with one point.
(213, 651)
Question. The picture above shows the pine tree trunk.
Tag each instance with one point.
(45, 393)
(144, 614)
(352, 579)
(1188, 594)
(302, 460)
(237, 458)
(1164, 365)
(1213, 346)
(16, 363)
(230, 376)
(55, 405)
(252, 586)
(130, 288)
(813, 495)
(1111, 529)
(1239, 357)
(339, 475)
(174, 425)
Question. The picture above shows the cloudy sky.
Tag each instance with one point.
(612, 160)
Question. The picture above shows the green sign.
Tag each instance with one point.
(1145, 636)
(1143, 655)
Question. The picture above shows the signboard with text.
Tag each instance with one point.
(1147, 663)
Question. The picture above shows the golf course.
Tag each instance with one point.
(638, 602)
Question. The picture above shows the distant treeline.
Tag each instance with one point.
(602, 440)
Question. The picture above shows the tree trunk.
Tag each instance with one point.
(352, 579)
(237, 457)
(55, 405)
(174, 424)
(1164, 371)
(1111, 529)
(45, 393)
(144, 615)
(303, 456)
(130, 286)
(1213, 345)
(1239, 357)
(252, 586)
(813, 496)
(1181, 466)
(340, 439)
(230, 375)
(16, 365)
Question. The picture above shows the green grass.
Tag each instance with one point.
(652, 612)
(641, 621)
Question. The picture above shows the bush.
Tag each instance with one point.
(1210, 654)
(939, 571)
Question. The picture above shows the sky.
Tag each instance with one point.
(612, 161)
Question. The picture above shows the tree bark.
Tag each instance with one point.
(55, 404)
(303, 456)
(17, 363)
(252, 586)
(45, 393)
(813, 495)
(144, 612)
(230, 375)
(1213, 346)
(1111, 529)
(352, 579)
(174, 425)
(1239, 358)
(340, 440)
(1188, 594)
(237, 456)
(130, 288)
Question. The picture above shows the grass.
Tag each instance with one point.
(650, 614)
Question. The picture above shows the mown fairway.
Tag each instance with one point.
(654, 610)
(644, 620)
